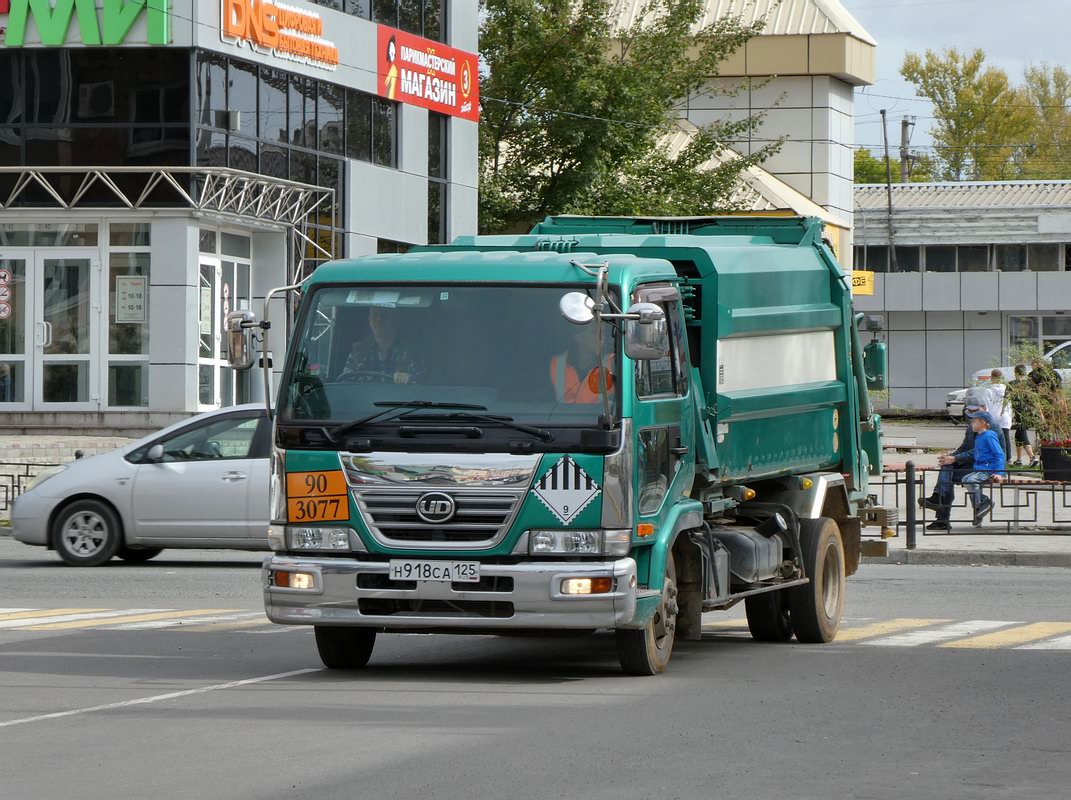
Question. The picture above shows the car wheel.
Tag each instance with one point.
(86, 533)
(136, 555)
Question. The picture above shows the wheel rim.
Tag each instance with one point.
(85, 534)
(831, 581)
(665, 618)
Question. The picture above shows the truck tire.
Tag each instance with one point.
(816, 608)
(86, 533)
(768, 617)
(136, 555)
(647, 651)
(344, 648)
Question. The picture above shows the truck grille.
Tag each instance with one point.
(482, 517)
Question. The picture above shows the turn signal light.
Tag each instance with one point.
(293, 580)
(644, 529)
(587, 585)
(806, 483)
(749, 494)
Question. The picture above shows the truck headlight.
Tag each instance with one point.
(318, 538)
(579, 543)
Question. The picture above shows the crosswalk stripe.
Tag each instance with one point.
(5, 611)
(944, 634)
(1059, 643)
(225, 626)
(1016, 636)
(185, 622)
(76, 614)
(885, 628)
(43, 612)
(153, 614)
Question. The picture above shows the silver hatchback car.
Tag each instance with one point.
(202, 482)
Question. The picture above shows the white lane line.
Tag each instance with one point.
(15, 610)
(26, 623)
(170, 623)
(142, 701)
(942, 634)
(1059, 643)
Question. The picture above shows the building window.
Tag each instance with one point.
(438, 127)
(940, 258)
(128, 314)
(1009, 257)
(420, 17)
(874, 258)
(908, 259)
(973, 258)
(1043, 257)
(384, 125)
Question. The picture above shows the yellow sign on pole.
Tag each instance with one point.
(862, 282)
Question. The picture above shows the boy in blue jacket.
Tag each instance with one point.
(988, 464)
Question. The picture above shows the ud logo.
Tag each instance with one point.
(435, 507)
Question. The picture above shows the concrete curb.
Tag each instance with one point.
(972, 558)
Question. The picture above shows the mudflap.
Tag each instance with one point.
(851, 534)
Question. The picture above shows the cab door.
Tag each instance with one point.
(663, 424)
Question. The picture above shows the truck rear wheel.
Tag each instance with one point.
(344, 648)
(768, 616)
(647, 651)
(816, 608)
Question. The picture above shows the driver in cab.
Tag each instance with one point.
(384, 356)
(575, 372)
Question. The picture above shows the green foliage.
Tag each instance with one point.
(868, 169)
(573, 111)
(985, 128)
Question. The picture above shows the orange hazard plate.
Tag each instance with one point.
(317, 496)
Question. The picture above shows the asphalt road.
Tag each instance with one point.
(184, 691)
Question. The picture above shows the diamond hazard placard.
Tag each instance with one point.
(566, 489)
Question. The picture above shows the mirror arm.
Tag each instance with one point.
(266, 325)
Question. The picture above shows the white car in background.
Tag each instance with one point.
(202, 482)
(1060, 357)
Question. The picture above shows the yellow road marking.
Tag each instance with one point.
(94, 623)
(885, 628)
(49, 612)
(222, 626)
(724, 623)
(1013, 636)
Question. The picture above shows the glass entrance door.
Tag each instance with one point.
(15, 332)
(65, 338)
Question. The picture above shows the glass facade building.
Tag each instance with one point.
(113, 285)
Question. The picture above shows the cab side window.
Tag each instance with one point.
(668, 375)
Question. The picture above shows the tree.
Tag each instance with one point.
(1048, 90)
(982, 122)
(573, 108)
(869, 169)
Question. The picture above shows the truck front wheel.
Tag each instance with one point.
(647, 651)
(816, 607)
(344, 648)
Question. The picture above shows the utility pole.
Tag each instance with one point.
(893, 267)
(907, 124)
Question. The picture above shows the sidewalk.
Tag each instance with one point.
(1048, 546)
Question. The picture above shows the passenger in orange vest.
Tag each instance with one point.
(574, 372)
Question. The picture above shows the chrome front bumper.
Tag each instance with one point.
(535, 601)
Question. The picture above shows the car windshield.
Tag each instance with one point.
(500, 350)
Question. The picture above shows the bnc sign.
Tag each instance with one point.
(52, 20)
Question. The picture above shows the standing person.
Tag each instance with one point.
(954, 466)
(988, 465)
(1020, 397)
(1044, 376)
(1000, 410)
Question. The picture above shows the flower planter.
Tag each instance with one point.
(1055, 462)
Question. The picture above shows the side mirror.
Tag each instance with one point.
(876, 365)
(577, 307)
(647, 334)
(238, 327)
(156, 453)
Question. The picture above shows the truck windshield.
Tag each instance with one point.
(504, 349)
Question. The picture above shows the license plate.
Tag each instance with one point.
(445, 571)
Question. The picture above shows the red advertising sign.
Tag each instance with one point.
(427, 74)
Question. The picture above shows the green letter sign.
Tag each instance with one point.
(53, 22)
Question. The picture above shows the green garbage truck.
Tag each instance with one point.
(607, 424)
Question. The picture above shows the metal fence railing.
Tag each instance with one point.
(1025, 506)
(14, 477)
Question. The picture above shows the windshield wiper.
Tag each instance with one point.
(540, 433)
(393, 409)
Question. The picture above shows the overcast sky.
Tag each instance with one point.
(1012, 33)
